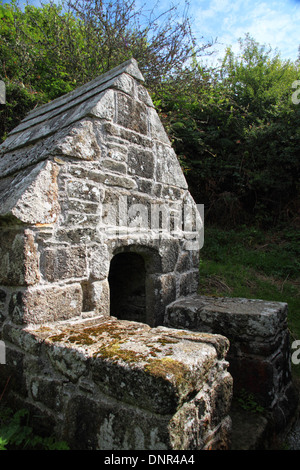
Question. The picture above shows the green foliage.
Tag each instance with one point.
(253, 263)
(48, 51)
(268, 252)
(235, 128)
(15, 433)
(237, 133)
(247, 401)
(20, 99)
(3, 443)
(57, 47)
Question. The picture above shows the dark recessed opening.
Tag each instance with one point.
(127, 287)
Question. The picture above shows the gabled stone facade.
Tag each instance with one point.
(99, 234)
(86, 177)
(104, 336)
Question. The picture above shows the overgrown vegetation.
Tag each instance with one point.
(247, 402)
(16, 434)
(235, 128)
(48, 51)
(253, 263)
(237, 133)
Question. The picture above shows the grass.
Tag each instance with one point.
(252, 263)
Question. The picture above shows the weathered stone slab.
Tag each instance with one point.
(31, 196)
(120, 135)
(259, 354)
(98, 261)
(146, 388)
(234, 317)
(83, 190)
(168, 169)
(132, 114)
(46, 304)
(96, 298)
(140, 162)
(180, 359)
(80, 142)
(64, 262)
(157, 130)
(19, 264)
(20, 159)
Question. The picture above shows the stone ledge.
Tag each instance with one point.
(156, 368)
(115, 384)
(238, 316)
(259, 355)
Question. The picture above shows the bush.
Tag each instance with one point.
(16, 434)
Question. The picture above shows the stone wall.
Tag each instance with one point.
(83, 178)
(259, 353)
(119, 385)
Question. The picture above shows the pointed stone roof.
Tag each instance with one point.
(79, 126)
(56, 116)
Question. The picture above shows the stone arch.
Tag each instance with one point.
(127, 276)
(133, 276)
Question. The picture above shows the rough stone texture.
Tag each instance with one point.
(112, 384)
(259, 353)
(85, 178)
(31, 196)
(19, 258)
(89, 175)
(47, 304)
(87, 181)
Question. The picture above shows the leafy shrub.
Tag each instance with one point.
(15, 433)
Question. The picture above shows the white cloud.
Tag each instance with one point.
(275, 23)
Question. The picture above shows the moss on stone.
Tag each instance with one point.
(167, 366)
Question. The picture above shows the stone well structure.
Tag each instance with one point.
(88, 179)
(106, 339)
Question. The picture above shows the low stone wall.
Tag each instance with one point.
(111, 384)
(259, 353)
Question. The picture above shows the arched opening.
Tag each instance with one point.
(127, 282)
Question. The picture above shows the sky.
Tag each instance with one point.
(271, 22)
